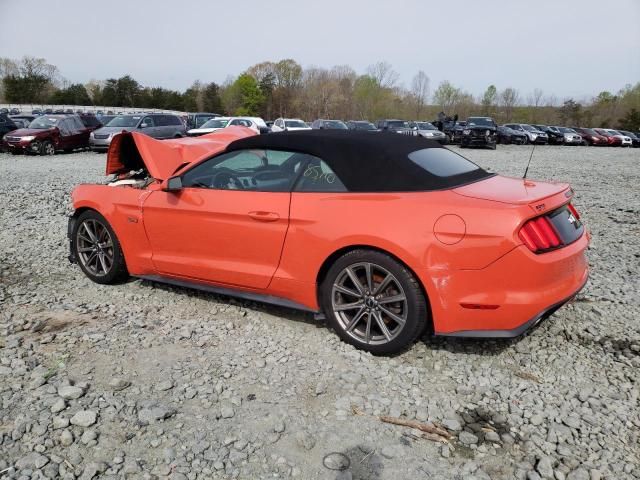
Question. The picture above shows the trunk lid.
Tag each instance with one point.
(516, 191)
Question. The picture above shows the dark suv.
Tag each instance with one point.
(48, 134)
(397, 126)
(479, 132)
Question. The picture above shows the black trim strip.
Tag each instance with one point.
(516, 332)
(230, 292)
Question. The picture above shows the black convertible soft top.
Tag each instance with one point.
(369, 161)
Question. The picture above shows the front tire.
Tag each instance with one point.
(97, 249)
(373, 302)
(47, 148)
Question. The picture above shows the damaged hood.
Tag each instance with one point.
(163, 158)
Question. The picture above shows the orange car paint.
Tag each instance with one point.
(276, 243)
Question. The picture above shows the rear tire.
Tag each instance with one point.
(384, 312)
(97, 249)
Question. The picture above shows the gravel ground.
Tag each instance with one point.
(146, 381)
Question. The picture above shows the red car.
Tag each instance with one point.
(612, 140)
(48, 134)
(386, 235)
(591, 137)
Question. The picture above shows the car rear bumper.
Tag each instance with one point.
(517, 291)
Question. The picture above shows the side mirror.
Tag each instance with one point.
(173, 184)
(144, 125)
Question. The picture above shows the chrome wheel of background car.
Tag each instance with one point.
(48, 148)
(35, 147)
(369, 303)
(95, 247)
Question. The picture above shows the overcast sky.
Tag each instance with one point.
(565, 47)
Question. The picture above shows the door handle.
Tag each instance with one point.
(264, 216)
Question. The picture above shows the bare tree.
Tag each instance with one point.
(509, 98)
(384, 74)
(446, 96)
(420, 92)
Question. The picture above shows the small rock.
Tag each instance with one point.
(118, 384)
(164, 385)
(545, 467)
(155, 413)
(66, 438)
(467, 438)
(227, 411)
(279, 426)
(32, 461)
(58, 406)
(320, 388)
(88, 436)
(84, 418)
(578, 474)
(452, 424)
(305, 440)
(60, 422)
(70, 392)
(388, 451)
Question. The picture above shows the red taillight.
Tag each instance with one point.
(573, 211)
(538, 234)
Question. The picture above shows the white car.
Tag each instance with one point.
(428, 130)
(533, 134)
(289, 124)
(626, 141)
(219, 123)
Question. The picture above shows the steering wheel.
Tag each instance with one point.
(224, 178)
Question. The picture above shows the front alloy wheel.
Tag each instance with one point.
(97, 249)
(374, 302)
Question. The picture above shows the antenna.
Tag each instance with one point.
(529, 162)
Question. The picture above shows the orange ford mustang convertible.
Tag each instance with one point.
(386, 235)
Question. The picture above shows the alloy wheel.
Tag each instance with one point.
(369, 303)
(49, 149)
(95, 247)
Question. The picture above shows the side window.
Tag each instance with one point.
(65, 127)
(173, 120)
(318, 177)
(253, 170)
(148, 122)
(279, 123)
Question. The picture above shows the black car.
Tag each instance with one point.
(15, 111)
(323, 124)
(556, 137)
(36, 112)
(6, 125)
(361, 125)
(480, 132)
(398, 126)
(509, 136)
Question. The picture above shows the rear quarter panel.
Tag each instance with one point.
(399, 223)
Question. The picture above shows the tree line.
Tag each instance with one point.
(285, 88)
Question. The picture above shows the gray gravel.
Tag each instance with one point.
(146, 381)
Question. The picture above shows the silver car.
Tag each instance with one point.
(156, 125)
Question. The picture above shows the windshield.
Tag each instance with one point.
(295, 124)
(481, 121)
(398, 124)
(215, 123)
(529, 128)
(105, 119)
(425, 126)
(364, 126)
(334, 124)
(566, 130)
(614, 132)
(43, 123)
(125, 121)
